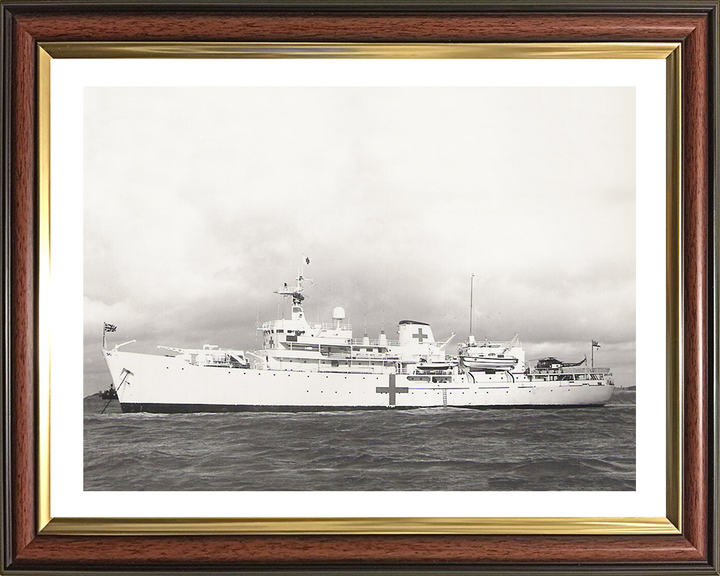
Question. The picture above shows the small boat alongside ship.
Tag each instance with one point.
(316, 367)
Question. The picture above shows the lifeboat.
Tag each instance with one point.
(489, 363)
(435, 366)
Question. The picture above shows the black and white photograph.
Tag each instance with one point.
(359, 288)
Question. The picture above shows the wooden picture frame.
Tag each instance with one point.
(30, 546)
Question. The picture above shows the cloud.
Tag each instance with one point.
(200, 202)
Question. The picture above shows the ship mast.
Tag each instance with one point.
(472, 285)
(471, 338)
(296, 292)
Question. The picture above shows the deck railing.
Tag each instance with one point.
(318, 326)
(573, 370)
(374, 342)
(331, 326)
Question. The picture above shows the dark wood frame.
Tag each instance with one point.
(694, 24)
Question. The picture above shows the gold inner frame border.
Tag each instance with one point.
(671, 524)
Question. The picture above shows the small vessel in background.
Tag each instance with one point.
(109, 394)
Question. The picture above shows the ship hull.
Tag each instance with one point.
(164, 384)
(135, 408)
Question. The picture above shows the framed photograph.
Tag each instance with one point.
(359, 287)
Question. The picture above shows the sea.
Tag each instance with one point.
(425, 449)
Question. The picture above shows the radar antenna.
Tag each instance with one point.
(297, 291)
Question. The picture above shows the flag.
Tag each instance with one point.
(307, 260)
(595, 344)
(110, 327)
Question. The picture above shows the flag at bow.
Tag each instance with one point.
(109, 327)
(595, 344)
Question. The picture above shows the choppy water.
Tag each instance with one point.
(426, 449)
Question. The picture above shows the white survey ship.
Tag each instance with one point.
(304, 367)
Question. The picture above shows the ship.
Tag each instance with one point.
(305, 366)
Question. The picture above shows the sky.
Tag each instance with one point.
(200, 202)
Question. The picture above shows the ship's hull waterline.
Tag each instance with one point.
(153, 383)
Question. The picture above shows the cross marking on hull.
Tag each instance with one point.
(392, 390)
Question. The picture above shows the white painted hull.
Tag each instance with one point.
(151, 383)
